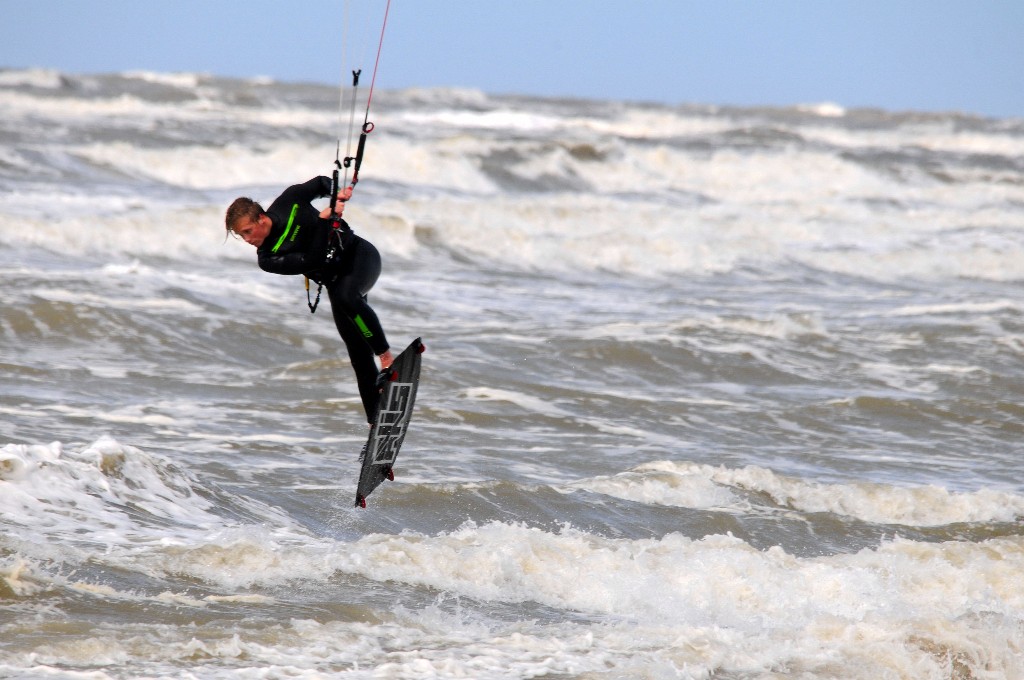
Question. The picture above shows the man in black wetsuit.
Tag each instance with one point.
(291, 237)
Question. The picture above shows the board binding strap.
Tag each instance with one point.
(397, 385)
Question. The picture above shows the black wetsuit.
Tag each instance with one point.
(298, 243)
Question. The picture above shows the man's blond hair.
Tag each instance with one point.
(242, 209)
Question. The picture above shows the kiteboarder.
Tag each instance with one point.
(291, 237)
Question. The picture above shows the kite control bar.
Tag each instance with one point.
(355, 161)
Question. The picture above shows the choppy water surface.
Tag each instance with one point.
(708, 393)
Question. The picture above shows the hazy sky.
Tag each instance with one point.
(931, 55)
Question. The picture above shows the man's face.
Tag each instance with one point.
(254, 232)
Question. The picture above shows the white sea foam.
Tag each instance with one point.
(105, 494)
(524, 401)
(717, 600)
(18, 576)
(710, 604)
(957, 308)
(824, 109)
(503, 120)
(703, 486)
(184, 80)
(684, 489)
(649, 579)
(71, 489)
(707, 605)
(46, 79)
(938, 136)
(204, 167)
(659, 207)
(780, 326)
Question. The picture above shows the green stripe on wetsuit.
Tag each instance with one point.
(288, 228)
(367, 333)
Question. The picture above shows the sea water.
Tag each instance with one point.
(709, 392)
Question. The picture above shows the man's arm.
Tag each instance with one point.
(291, 263)
(307, 192)
(300, 261)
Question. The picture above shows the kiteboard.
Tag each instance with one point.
(397, 385)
